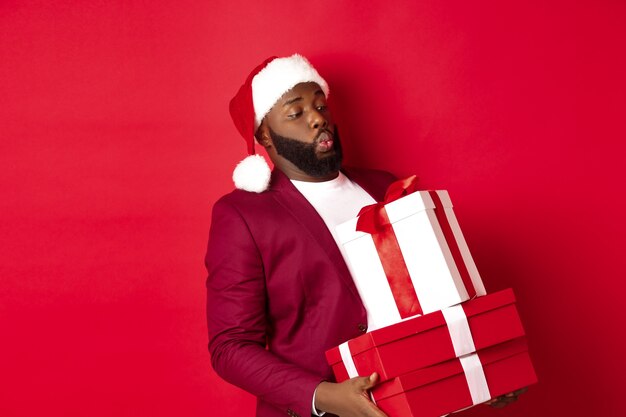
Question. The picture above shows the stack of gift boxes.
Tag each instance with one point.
(438, 342)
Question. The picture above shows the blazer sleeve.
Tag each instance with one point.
(237, 320)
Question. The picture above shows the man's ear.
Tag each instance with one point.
(263, 135)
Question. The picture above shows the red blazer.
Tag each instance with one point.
(279, 293)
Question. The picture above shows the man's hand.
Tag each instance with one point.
(348, 398)
(507, 399)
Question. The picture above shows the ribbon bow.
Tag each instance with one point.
(373, 218)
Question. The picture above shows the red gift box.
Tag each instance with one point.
(430, 339)
(451, 386)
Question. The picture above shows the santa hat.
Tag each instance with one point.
(265, 85)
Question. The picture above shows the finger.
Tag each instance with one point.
(503, 402)
(498, 404)
(500, 399)
(374, 378)
(495, 400)
(516, 393)
(370, 381)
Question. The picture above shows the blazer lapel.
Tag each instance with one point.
(288, 196)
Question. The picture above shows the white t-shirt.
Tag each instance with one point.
(336, 201)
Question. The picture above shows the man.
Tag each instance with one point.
(279, 291)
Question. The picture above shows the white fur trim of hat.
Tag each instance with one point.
(278, 77)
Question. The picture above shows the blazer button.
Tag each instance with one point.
(362, 327)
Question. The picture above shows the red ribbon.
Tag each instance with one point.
(373, 219)
(440, 213)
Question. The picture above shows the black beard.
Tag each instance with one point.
(303, 155)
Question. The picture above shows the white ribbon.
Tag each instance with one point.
(346, 357)
(459, 330)
(475, 376)
(463, 344)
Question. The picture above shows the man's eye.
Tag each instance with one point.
(321, 108)
(294, 115)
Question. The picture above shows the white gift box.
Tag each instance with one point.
(428, 249)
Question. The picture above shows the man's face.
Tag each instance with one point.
(301, 130)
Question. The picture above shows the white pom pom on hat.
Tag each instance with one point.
(263, 87)
(252, 174)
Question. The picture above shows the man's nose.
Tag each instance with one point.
(317, 120)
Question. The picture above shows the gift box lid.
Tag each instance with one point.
(448, 369)
(415, 325)
(396, 211)
(416, 202)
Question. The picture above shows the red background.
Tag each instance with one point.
(116, 140)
